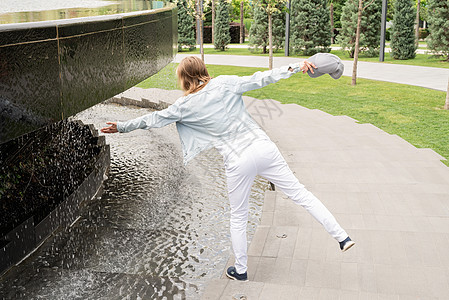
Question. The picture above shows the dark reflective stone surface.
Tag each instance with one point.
(52, 70)
(29, 87)
(142, 54)
(92, 68)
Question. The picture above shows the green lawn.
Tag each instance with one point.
(413, 113)
(420, 60)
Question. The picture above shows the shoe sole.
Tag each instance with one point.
(233, 278)
(348, 246)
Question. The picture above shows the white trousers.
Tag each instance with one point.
(263, 158)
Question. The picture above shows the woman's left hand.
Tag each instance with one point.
(110, 129)
(306, 66)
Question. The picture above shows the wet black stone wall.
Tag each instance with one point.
(51, 70)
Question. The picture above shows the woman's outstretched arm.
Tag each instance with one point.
(260, 79)
(151, 120)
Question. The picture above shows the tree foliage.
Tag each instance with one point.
(403, 44)
(338, 8)
(186, 27)
(369, 33)
(438, 40)
(310, 27)
(258, 34)
(222, 37)
(235, 9)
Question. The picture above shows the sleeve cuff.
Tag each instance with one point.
(295, 67)
(120, 126)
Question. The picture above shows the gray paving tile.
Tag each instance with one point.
(383, 296)
(264, 273)
(298, 271)
(349, 277)
(214, 289)
(269, 201)
(309, 293)
(329, 294)
(349, 295)
(367, 278)
(315, 270)
(288, 244)
(298, 217)
(420, 253)
(369, 296)
(278, 291)
(278, 246)
(331, 277)
(267, 218)
(250, 289)
(302, 245)
(257, 244)
(437, 281)
(386, 277)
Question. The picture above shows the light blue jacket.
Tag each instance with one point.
(213, 115)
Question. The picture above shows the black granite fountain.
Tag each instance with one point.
(51, 69)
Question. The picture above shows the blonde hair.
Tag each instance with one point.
(192, 74)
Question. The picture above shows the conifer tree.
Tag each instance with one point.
(278, 30)
(310, 27)
(438, 16)
(369, 33)
(403, 32)
(222, 37)
(186, 27)
(258, 34)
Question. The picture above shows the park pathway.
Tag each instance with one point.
(432, 78)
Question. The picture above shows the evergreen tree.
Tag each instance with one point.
(186, 27)
(438, 15)
(338, 7)
(310, 27)
(258, 33)
(222, 37)
(369, 28)
(403, 44)
(278, 30)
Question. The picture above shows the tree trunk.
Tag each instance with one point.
(213, 19)
(357, 39)
(199, 14)
(270, 41)
(242, 28)
(332, 23)
(418, 6)
(446, 105)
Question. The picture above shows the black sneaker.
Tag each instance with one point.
(232, 274)
(346, 244)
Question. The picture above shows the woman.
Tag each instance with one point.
(212, 114)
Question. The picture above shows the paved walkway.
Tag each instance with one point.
(391, 197)
(432, 78)
(246, 46)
